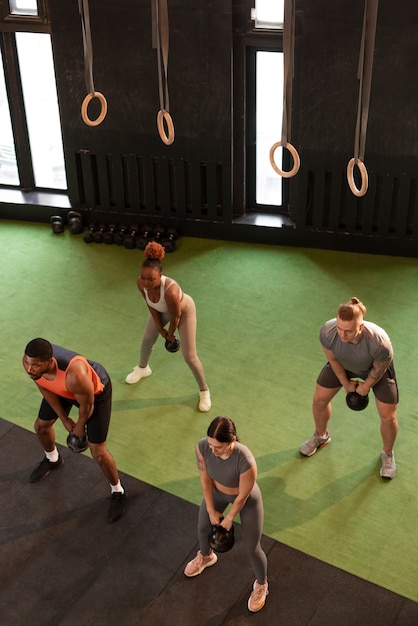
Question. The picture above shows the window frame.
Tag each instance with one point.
(17, 112)
(10, 22)
(251, 159)
(247, 41)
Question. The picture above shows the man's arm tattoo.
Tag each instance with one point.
(378, 369)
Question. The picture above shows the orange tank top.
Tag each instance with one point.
(58, 387)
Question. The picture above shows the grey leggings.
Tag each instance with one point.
(252, 519)
(187, 333)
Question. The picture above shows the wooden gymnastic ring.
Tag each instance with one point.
(296, 160)
(165, 115)
(85, 104)
(364, 177)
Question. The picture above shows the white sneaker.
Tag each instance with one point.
(204, 401)
(137, 374)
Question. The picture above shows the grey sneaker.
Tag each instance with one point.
(388, 469)
(314, 443)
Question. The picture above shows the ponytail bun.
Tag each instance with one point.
(352, 309)
(154, 250)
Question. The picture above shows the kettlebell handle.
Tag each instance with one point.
(224, 530)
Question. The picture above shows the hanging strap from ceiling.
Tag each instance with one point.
(288, 74)
(83, 7)
(160, 40)
(364, 74)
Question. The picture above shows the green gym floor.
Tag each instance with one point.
(259, 313)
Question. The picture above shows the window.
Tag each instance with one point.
(8, 166)
(31, 151)
(268, 121)
(268, 14)
(23, 7)
(41, 106)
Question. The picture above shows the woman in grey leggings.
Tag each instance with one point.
(168, 305)
(228, 473)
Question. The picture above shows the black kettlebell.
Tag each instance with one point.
(118, 238)
(145, 236)
(88, 237)
(355, 401)
(109, 234)
(76, 443)
(57, 224)
(172, 346)
(220, 539)
(169, 242)
(75, 223)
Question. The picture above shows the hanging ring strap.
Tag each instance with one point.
(161, 42)
(364, 75)
(83, 7)
(288, 72)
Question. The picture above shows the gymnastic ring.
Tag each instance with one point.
(296, 160)
(165, 115)
(364, 177)
(103, 110)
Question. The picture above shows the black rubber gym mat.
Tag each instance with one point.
(64, 564)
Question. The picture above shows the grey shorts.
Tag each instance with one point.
(386, 390)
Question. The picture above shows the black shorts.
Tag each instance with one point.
(98, 424)
(386, 390)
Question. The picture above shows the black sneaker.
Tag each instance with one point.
(44, 468)
(117, 506)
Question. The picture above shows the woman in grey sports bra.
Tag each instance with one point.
(170, 309)
(228, 474)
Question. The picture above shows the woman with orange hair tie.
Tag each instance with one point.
(170, 309)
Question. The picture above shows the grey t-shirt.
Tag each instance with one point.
(374, 345)
(227, 471)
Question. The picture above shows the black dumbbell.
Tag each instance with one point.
(169, 242)
(75, 223)
(119, 237)
(145, 235)
(57, 224)
(98, 234)
(88, 237)
(130, 239)
(109, 234)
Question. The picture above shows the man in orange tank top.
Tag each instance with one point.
(67, 379)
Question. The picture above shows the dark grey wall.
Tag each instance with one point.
(328, 36)
(125, 71)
